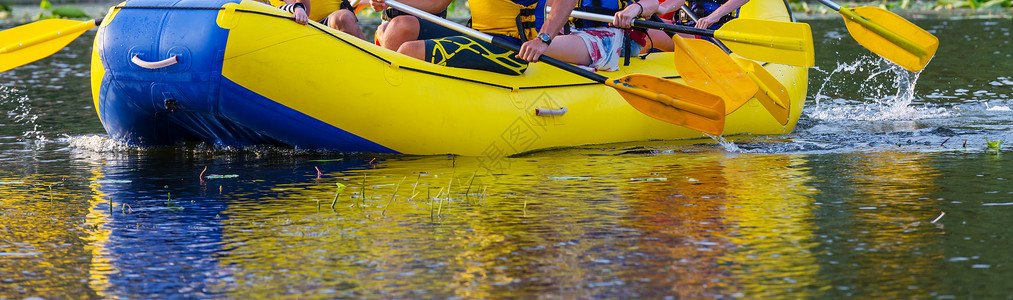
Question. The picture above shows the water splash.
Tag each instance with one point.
(870, 89)
(729, 146)
(99, 144)
(19, 110)
(996, 107)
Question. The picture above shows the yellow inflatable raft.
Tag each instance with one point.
(241, 73)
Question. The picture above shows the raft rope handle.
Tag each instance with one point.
(550, 112)
(156, 64)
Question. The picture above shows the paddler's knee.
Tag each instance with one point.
(399, 30)
(416, 49)
(343, 18)
(345, 21)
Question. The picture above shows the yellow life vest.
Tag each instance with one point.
(319, 9)
(495, 17)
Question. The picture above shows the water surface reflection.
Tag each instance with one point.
(843, 207)
(556, 224)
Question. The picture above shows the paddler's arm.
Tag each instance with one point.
(724, 9)
(300, 10)
(670, 6)
(554, 22)
(644, 8)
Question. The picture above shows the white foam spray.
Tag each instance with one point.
(19, 110)
(885, 91)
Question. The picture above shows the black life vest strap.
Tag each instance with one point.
(627, 41)
(523, 26)
(346, 5)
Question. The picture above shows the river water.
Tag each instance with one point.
(886, 189)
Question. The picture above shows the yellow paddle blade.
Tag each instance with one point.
(672, 102)
(890, 36)
(772, 41)
(30, 42)
(771, 94)
(704, 66)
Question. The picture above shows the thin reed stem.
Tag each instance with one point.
(416, 186)
(335, 201)
(440, 201)
(391, 200)
(363, 194)
(470, 182)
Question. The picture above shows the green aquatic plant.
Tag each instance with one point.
(171, 205)
(69, 12)
(973, 4)
(958, 4)
(341, 187)
(999, 3)
(993, 145)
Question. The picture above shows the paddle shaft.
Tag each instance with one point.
(505, 44)
(76, 29)
(831, 4)
(694, 57)
(642, 23)
(887, 34)
(742, 37)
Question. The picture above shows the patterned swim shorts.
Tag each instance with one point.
(605, 45)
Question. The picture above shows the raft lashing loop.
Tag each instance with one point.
(151, 65)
